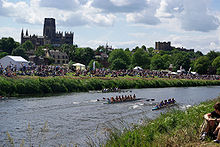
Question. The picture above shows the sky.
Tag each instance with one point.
(192, 24)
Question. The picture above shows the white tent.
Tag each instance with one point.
(138, 68)
(17, 61)
(79, 66)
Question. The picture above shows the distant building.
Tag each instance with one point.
(59, 57)
(50, 36)
(166, 46)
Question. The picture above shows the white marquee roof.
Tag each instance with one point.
(17, 58)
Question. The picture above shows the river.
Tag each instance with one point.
(73, 118)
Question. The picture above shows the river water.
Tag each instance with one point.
(77, 117)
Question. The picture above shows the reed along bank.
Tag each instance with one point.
(52, 85)
(175, 128)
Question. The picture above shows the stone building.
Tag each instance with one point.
(166, 46)
(59, 57)
(50, 36)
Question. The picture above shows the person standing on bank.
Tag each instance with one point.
(212, 123)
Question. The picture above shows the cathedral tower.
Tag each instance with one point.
(49, 28)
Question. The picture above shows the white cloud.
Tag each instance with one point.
(60, 4)
(119, 6)
(168, 8)
(144, 17)
(196, 17)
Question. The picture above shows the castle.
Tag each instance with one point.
(166, 46)
(50, 36)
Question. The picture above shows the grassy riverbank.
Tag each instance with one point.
(51, 85)
(176, 128)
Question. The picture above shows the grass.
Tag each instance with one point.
(51, 85)
(176, 128)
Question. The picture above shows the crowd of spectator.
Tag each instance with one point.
(50, 70)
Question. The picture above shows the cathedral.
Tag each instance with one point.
(50, 36)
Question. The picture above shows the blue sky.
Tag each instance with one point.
(120, 23)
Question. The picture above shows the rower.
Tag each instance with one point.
(173, 100)
(134, 96)
(109, 101)
(112, 100)
(120, 99)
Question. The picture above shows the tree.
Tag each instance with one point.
(201, 65)
(118, 64)
(212, 55)
(83, 55)
(216, 64)
(69, 50)
(166, 60)
(39, 52)
(198, 54)
(120, 54)
(181, 59)
(3, 54)
(8, 44)
(140, 58)
(28, 45)
(19, 51)
(97, 64)
(156, 62)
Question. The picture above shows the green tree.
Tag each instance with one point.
(166, 60)
(198, 54)
(140, 58)
(28, 45)
(8, 44)
(216, 64)
(201, 65)
(19, 51)
(181, 59)
(84, 55)
(97, 64)
(156, 62)
(69, 50)
(118, 64)
(3, 54)
(120, 54)
(212, 55)
(39, 52)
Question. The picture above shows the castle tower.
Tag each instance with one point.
(49, 28)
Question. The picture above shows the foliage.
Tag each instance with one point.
(156, 62)
(201, 65)
(19, 51)
(140, 58)
(3, 54)
(35, 86)
(181, 59)
(97, 64)
(212, 55)
(83, 55)
(8, 44)
(216, 64)
(69, 50)
(121, 56)
(28, 45)
(39, 52)
(118, 64)
(176, 127)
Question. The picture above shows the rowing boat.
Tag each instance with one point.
(165, 106)
(123, 101)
